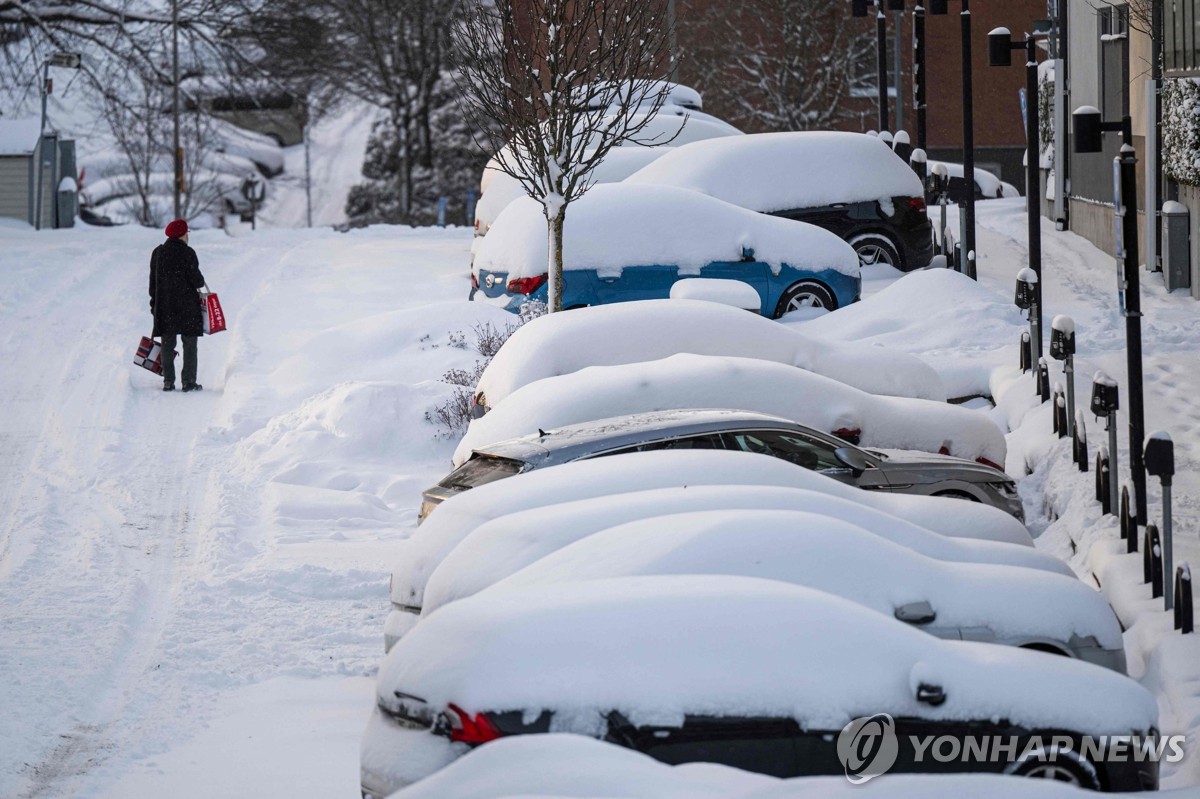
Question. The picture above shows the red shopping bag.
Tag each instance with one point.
(213, 316)
(149, 355)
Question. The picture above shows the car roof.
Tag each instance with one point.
(578, 440)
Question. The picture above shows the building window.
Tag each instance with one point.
(1114, 62)
(1181, 35)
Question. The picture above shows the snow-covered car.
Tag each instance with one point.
(848, 183)
(689, 381)
(559, 344)
(504, 545)
(672, 126)
(958, 601)
(625, 242)
(751, 673)
(900, 471)
(937, 526)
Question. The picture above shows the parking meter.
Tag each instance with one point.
(939, 182)
(1160, 463)
(1062, 348)
(1105, 403)
(1026, 289)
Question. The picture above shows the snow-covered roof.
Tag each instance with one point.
(780, 171)
(584, 649)
(841, 558)
(702, 381)
(618, 164)
(19, 136)
(626, 332)
(454, 519)
(616, 225)
(505, 545)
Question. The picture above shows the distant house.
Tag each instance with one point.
(19, 154)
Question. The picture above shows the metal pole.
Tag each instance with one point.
(1133, 314)
(1060, 115)
(919, 73)
(1069, 371)
(1114, 494)
(1155, 166)
(898, 48)
(1033, 205)
(40, 155)
(881, 63)
(1168, 545)
(307, 178)
(968, 247)
(177, 154)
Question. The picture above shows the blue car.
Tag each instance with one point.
(616, 237)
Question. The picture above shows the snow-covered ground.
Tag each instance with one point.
(195, 585)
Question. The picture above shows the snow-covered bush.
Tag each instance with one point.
(1181, 130)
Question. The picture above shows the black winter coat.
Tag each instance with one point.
(174, 278)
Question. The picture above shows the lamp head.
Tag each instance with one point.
(1000, 47)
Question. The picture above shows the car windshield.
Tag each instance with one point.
(481, 470)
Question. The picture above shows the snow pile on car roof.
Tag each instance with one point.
(507, 544)
(701, 381)
(771, 172)
(627, 332)
(840, 558)
(658, 648)
(616, 225)
(610, 479)
(558, 765)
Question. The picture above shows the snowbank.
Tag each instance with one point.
(701, 381)
(562, 765)
(952, 322)
(616, 225)
(503, 546)
(628, 332)
(771, 172)
(553, 647)
(725, 292)
(603, 478)
(840, 558)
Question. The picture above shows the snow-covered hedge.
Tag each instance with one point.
(1181, 130)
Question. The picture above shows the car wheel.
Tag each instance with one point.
(1057, 764)
(806, 294)
(876, 248)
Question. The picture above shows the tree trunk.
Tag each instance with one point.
(554, 229)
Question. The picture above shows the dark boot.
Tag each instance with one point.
(169, 386)
(192, 387)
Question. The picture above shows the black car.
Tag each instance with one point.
(754, 674)
(851, 184)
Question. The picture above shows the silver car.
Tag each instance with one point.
(899, 471)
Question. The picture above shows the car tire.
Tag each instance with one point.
(806, 294)
(1057, 764)
(876, 248)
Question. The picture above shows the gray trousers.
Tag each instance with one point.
(189, 358)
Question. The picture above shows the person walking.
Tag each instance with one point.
(175, 281)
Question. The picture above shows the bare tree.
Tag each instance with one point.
(779, 64)
(553, 85)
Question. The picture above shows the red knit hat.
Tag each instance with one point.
(177, 229)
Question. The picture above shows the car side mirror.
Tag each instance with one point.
(929, 694)
(916, 613)
(852, 459)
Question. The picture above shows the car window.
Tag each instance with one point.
(480, 470)
(691, 442)
(800, 450)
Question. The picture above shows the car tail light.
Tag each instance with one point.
(474, 281)
(473, 731)
(917, 204)
(986, 462)
(526, 285)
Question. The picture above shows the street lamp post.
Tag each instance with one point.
(858, 8)
(1000, 47)
(968, 246)
(1088, 129)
